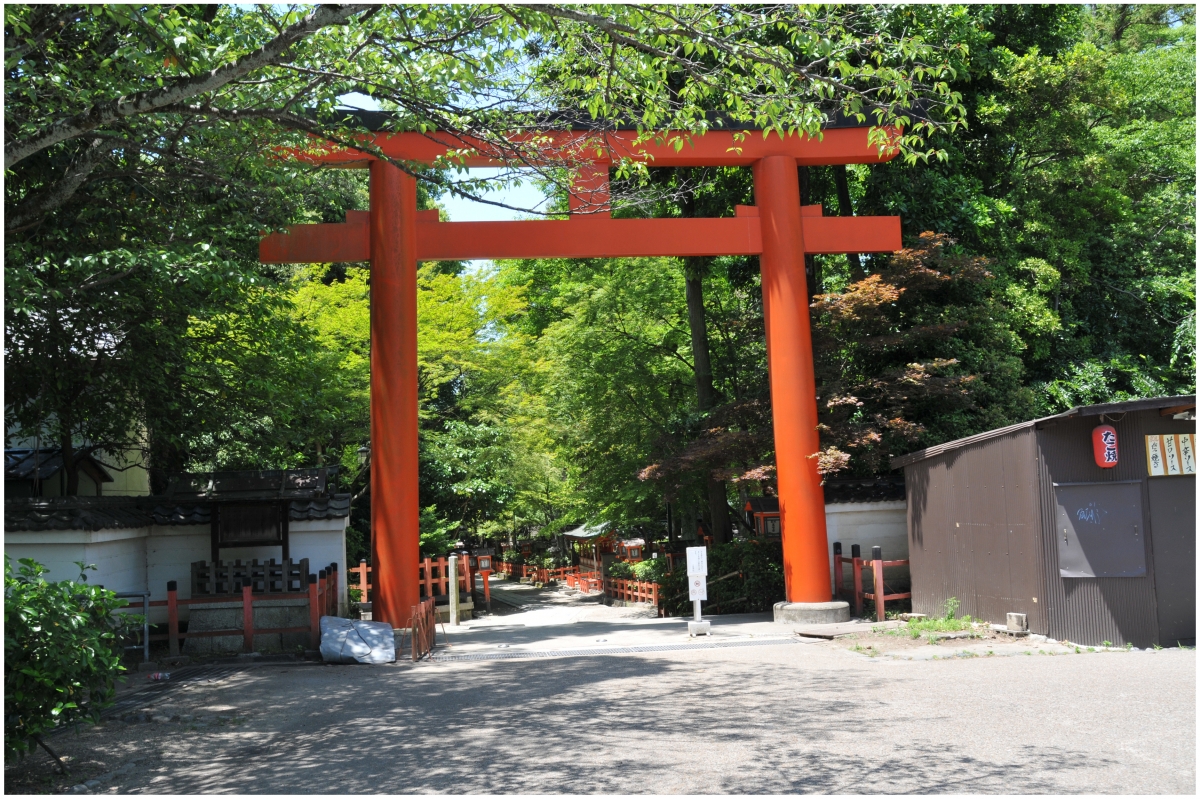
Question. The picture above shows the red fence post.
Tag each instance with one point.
(173, 617)
(322, 591)
(838, 576)
(877, 563)
(333, 591)
(428, 577)
(416, 624)
(247, 617)
(858, 589)
(314, 613)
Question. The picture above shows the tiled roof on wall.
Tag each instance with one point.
(31, 514)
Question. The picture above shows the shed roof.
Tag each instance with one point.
(25, 464)
(585, 531)
(1181, 403)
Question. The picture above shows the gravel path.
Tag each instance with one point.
(810, 718)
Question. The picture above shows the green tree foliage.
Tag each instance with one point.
(1050, 263)
(227, 371)
(1076, 176)
(925, 350)
(744, 577)
(1050, 242)
(137, 135)
(62, 653)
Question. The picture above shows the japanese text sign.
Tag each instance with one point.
(1104, 446)
(1169, 455)
(697, 561)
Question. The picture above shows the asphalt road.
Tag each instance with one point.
(778, 718)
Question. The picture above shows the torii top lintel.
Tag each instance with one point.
(591, 232)
(848, 145)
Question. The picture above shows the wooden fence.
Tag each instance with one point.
(217, 578)
(322, 596)
(432, 573)
(587, 582)
(424, 628)
(631, 590)
(876, 564)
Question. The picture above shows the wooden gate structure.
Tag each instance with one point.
(394, 236)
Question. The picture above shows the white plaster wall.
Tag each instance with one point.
(147, 558)
(119, 555)
(870, 524)
(170, 552)
(322, 541)
(58, 557)
(121, 563)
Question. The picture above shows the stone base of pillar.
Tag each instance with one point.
(812, 612)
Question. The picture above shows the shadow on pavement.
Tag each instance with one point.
(590, 725)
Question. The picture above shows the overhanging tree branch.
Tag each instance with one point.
(156, 99)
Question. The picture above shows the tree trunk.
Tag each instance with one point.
(812, 278)
(695, 269)
(854, 260)
(67, 450)
(165, 458)
(706, 399)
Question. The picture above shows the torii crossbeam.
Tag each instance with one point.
(394, 236)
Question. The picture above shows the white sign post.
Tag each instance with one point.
(697, 570)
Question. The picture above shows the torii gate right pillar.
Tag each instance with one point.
(793, 389)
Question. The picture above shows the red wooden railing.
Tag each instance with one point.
(322, 596)
(587, 582)
(876, 564)
(631, 590)
(424, 628)
(360, 577)
(541, 575)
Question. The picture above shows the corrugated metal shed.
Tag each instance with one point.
(982, 516)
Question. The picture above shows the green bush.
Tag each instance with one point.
(512, 556)
(756, 586)
(62, 652)
(650, 571)
(621, 570)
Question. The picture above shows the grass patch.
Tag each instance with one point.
(946, 623)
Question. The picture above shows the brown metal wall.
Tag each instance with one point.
(1093, 610)
(974, 530)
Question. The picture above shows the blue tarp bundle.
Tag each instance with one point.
(352, 641)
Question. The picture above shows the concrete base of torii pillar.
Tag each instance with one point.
(812, 612)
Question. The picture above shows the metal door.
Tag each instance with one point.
(1100, 530)
(1173, 521)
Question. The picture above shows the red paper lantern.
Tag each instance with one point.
(1104, 446)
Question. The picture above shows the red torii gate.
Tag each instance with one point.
(393, 235)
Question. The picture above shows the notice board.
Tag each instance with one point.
(1100, 530)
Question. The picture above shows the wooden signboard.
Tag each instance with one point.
(1170, 455)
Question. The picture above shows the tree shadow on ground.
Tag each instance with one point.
(587, 725)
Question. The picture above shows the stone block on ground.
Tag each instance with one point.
(356, 641)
